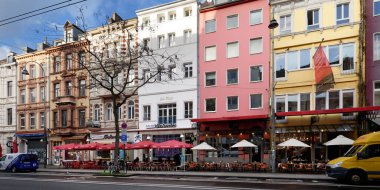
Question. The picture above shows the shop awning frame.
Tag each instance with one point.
(230, 118)
(332, 111)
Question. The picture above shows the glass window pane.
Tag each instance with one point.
(305, 58)
(376, 8)
(376, 46)
(256, 100)
(348, 57)
(256, 73)
(334, 100)
(293, 102)
(232, 103)
(280, 66)
(338, 11)
(320, 101)
(348, 99)
(377, 98)
(256, 45)
(232, 76)
(232, 49)
(210, 104)
(305, 102)
(334, 55)
(210, 26)
(292, 58)
(345, 10)
(232, 21)
(210, 53)
(280, 104)
(255, 17)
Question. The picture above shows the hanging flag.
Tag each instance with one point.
(324, 77)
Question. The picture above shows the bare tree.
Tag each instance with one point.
(112, 60)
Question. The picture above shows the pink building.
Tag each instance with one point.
(234, 75)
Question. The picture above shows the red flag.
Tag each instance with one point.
(14, 147)
(324, 78)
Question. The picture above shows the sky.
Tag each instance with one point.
(30, 31)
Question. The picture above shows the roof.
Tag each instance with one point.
(162, 5)
(230, 118)
(331, 111)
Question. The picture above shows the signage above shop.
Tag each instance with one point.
(157, 126)
(99, 137)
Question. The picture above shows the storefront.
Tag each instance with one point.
(33, 144)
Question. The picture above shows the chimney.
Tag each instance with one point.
(115, 18)
(27, 49)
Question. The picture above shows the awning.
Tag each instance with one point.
(230, 118)
(332, 111)
(26, 135)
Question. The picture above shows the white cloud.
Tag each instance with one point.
(3, 51)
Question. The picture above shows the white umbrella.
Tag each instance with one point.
(243, 144)
(293, 143)
(203, 146)
(339, 140)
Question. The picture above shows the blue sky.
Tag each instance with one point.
(31, 31)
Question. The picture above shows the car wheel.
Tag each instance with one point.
(13, 170)
(356, 178)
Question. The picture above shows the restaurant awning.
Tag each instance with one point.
(230, 118)
(330, 111)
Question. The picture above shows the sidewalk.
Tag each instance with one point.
(285, 176)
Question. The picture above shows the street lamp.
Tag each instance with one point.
(272, 25)
(25, 72)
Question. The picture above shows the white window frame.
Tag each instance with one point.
(250, 101)
(161, 44)
(205, 104)
(171, 39)
(262, 73)
(261, 15)
(275, 66)
(147, 115)
(30, 121)
(96, 112)
(131, 110)
(190, 111)
(314, 24)
(22, 117)
(188, 10)
(172, 15)
(232, 69)
(231, 16)
(238, 49)
(286, 30)
(168, 107)
(206, 78)
(262, 45)
(109, 115)
(227, 103)
(349, 12)
(161, 18)
(376, 56)
(187, 36)
(188, 66)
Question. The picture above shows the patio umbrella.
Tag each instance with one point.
(244, 144)
(292, 143)
(143, 145)
(203, 146)
(338, 141)
(65, 147)
(90, 146)
(172, 144)
(112, 146)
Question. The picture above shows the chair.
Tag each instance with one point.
(308, 168)
(283, 167)
(263, 167)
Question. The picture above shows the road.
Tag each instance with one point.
(49, 181)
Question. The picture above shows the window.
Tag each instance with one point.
(131, 110)
(64, 118)
(43, 70)
(146, 22)
(161, 18)
(69, 61)
(9, 88)
(256, 101)
(56, 90)
(42, 119)
(232, 49)
(32, 94)
(372, 151)
(96, 112)
(256, 17)
(146, 116)
(376, 7)
(333, 99)
(57, 64)
(22, 96)
(256, 73)
(232, 103)
(285, 24)
(186, 36)
(146, 42)
(376, 45)
(172, 15)
(232, 21)
(188, 12)
(147, 75)
(256, 45)
(304, 59)
(333, 52)
(82, 87)
(188, 109)
(313, 19)
(280, 66)
(210, 26)
(131, 77)
(342, 13)
(109, 112)
(120, 113)
(9, 116)
(22, 121)
(210, 53)
(82, 59)
(188, 70)
(42, 95)
(210, 105)
(305, 102)
(167, 114)
(171, 71)
(280, 104)
(171, 39)
(210, 78)
(320, 101)
(159, 73)
(22, 76)
(376, 93)
(292, 60)
(82, 118)
(69, 87)
(232, 76)
(347, 99)
(55, 119)
(32, 71)
(293, 102)
(32, 121)
(161, 41)
(348, 57)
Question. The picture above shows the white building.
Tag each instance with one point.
(166, 107)
(7, 102)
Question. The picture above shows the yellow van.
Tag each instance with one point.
(360, 163)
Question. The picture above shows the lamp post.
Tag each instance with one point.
(25, 72)
(183, 158)
(272, 25)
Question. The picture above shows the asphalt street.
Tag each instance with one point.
(50, 181)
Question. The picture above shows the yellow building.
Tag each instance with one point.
(303, 26)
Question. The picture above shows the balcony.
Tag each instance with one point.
(65, 100)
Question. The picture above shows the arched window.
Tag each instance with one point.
(96, 112)
(109, 112)
(131, 109)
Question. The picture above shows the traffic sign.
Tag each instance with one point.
(123, 138)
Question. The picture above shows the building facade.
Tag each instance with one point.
(167, 105)
(336, 26)
(8, 96)
(234, 80)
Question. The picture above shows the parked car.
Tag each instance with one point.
(19, 162)
(360, 163)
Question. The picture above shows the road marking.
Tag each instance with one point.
(129, 184)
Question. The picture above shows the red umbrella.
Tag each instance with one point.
(14, 147)
(65, 147)
(143, 145)
(173, 144)
(90, 146)
(112, 146)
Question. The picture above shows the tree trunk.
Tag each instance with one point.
(117, 134)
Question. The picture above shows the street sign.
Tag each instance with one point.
(123, 138)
